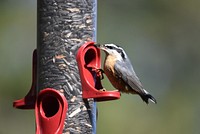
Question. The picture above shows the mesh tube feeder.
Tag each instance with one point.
(64, 100)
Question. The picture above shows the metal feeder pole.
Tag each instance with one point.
(63, 26)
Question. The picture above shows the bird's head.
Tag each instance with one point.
(114, 50)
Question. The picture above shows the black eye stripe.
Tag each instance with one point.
(110, 47)
(117, 48)
(121, 52)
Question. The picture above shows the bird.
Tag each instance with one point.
(120, 72)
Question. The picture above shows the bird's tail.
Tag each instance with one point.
(146, 97)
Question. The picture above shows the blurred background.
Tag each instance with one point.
(162, 39)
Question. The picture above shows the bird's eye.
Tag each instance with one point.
(110, 47)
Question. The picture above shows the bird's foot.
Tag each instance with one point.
(99, 72)
(103, 89)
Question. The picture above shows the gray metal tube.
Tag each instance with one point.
(63, 26)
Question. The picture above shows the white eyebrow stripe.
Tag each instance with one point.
(118, 49)
(113, 45)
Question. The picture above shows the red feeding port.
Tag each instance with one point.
(89, 63)
(50, 111)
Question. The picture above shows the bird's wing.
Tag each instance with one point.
(125, 71)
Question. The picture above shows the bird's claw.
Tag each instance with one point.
(103, 89)
(99, 72)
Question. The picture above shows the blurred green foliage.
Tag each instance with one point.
(162, 40)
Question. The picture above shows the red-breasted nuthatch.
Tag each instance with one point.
(120, 72)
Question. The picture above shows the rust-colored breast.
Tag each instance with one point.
(112, 76)
(109, 70)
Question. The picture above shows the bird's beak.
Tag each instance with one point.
(97, 45)
(100, 46)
